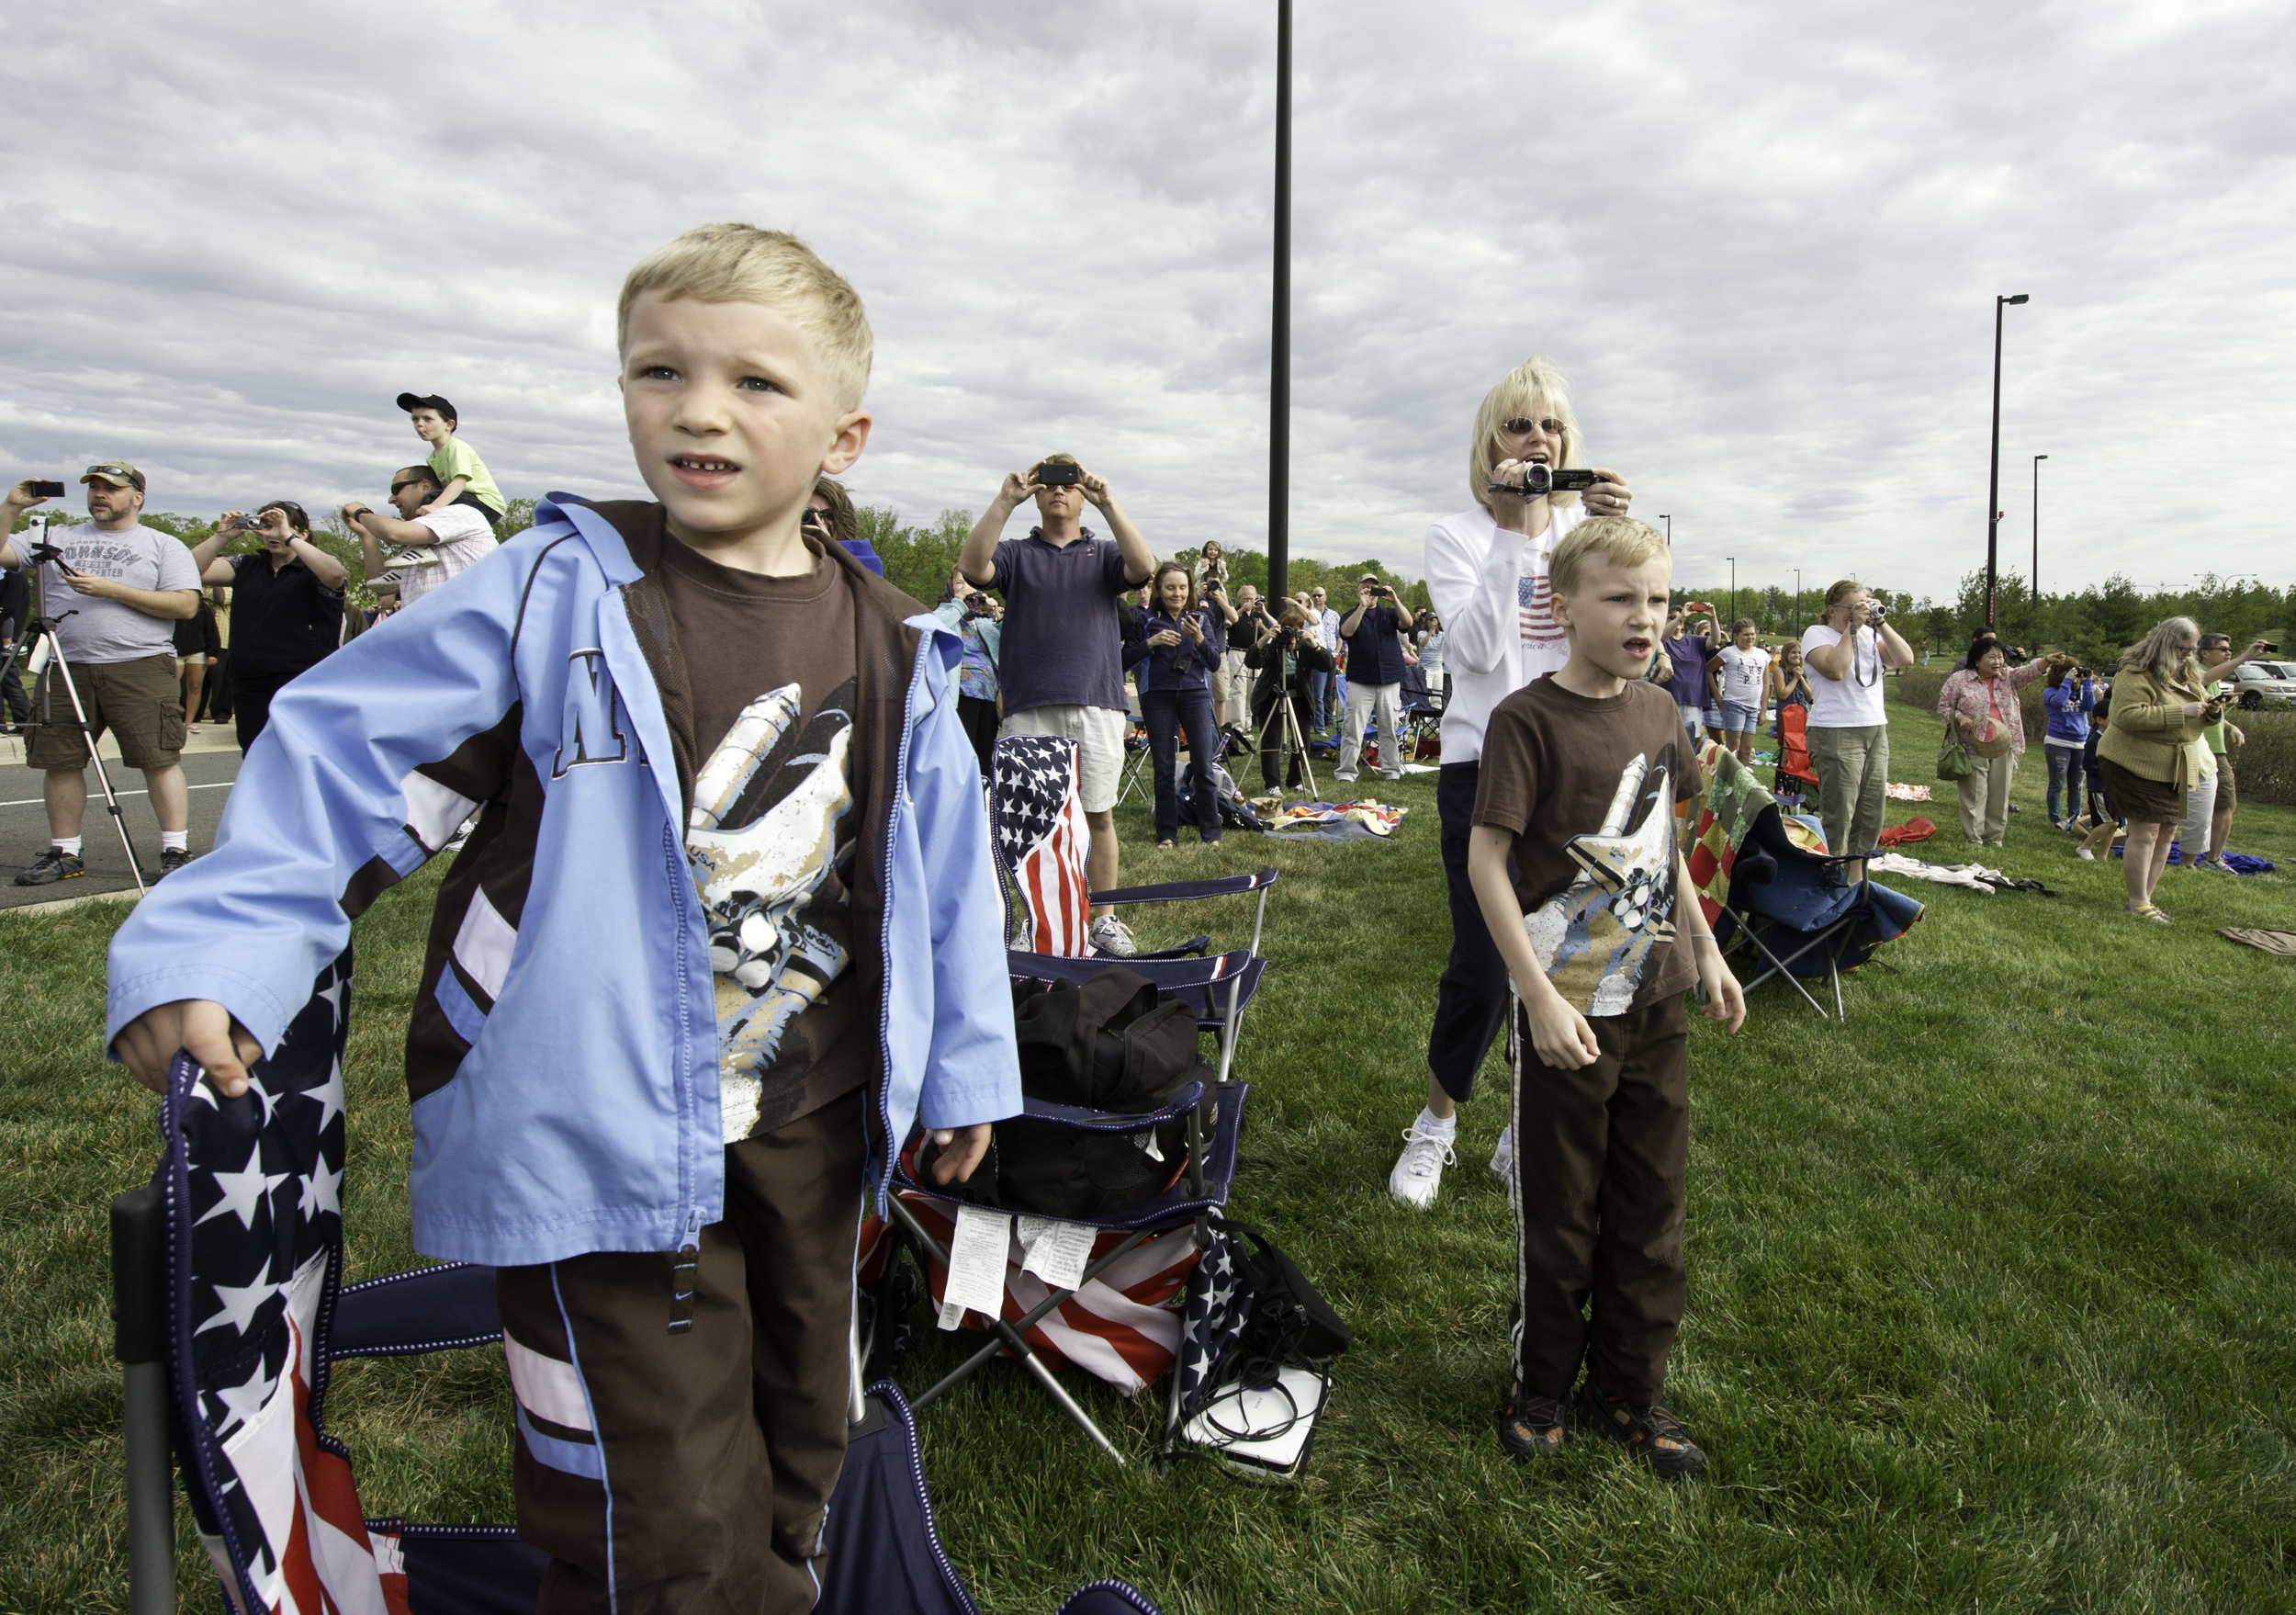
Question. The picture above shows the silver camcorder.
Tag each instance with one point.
(1538, 480)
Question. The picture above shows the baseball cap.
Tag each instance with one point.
(119, 473)
(411, 401)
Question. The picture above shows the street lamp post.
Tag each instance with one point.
(1669, 530)
(1798, 602)
(1993, 487)
(2036, 577)
(1280, 354)
(1733, 560)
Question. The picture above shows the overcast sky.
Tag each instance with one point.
(1764, 242)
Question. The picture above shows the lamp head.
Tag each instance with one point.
(2019, 298)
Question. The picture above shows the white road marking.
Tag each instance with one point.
(36, 801)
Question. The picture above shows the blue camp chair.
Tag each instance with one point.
(1792, 909)
(231, 1315)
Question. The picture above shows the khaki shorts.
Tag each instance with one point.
(137, 701)
(2226, 796)
(1098, 733)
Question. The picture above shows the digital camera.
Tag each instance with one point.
(1539, 481)
(250, 524)
(1877, 612)
(1058, 476)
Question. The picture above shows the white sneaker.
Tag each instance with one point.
(1418, 1174)
(1502, 1158)
(1346, 779)
(2084, 855)
(1109, 936)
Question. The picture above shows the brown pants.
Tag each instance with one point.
(1599, 1159)
(691, 1470)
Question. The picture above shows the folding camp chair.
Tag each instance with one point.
(1790, 908)
(1118, 1315)
(1135, 765)
(1036, 816)
(229, 1316)
(1794, 761)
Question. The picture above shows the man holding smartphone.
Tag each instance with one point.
(1062, 670)
(1375, 677)
(119, 591)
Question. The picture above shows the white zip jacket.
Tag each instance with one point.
(1482, 579)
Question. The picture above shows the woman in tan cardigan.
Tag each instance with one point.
(2158, 713)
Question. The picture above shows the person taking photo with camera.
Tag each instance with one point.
(1062, 672)
(1375, 677)
(1846, 651)
(1980, 700)
(1487, 579)
(2217, 662)
(435, 546)
(2150, 752)
(286, 604)
(117, 592)
(1177, 646)
(1284, 661)
(1232, 688)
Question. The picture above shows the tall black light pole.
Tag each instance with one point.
(2036, 577)
(1280, 354)
(1733, 560)
(1798, 602)
(1993, 487)
(1669, 530)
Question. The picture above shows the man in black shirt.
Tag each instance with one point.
(286, 605)
(16, 610)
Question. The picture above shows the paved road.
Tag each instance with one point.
(24, 825)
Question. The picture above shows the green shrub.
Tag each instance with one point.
(2266, 766)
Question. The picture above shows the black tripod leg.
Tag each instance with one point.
(103, 775)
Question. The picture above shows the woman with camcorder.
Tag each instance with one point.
(1285, 658)
(2150, 753)
(1487, 579)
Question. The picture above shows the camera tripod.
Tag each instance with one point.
(40, 636)
(1293, 741)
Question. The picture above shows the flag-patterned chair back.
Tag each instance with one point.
(1037, 816)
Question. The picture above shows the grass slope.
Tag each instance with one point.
(1992, 1301)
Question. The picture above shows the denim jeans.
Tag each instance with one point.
(2065, 779)
(1167, 711)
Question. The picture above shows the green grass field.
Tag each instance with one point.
(1993, 1303)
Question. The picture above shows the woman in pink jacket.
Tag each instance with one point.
(1980, 700)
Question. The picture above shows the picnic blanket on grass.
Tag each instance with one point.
(1976, 878)
(2238, 863)
(1335, 821)
(2272, 942)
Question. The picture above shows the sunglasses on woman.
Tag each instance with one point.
(1522, 426)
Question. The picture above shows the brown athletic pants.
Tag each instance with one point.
(1599, 1159)
(690, 1470)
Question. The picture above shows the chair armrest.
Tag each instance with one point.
(1189, 891)
(1091, 1121)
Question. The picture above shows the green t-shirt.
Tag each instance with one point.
(2214, 733)
(453, 457)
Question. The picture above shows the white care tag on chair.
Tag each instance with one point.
(976, 1265)
(1056, 1252)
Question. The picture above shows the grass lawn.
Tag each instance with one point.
(1993, 1303)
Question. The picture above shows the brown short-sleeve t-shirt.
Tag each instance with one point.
(770, 666)
(1588, 787)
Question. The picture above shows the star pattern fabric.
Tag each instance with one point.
(253, 1187)
(1218, 1308)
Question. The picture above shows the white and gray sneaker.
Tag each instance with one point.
(1418, 1173)
(1108, 935)
(1502, 1158)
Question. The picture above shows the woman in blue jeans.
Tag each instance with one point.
(1176, 645)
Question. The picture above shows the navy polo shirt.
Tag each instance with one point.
(1063, 641)
(1375, 656)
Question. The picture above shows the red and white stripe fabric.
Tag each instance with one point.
(1057, 912)
(1119, 1327)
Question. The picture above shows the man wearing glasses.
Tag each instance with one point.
(433, 548)
(119, 591)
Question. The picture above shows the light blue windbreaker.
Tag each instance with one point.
(563, 1052)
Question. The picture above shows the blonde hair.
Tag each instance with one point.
(1533, 385)
(742, 264)
(1621, 540)
(2163, 652)
(1841, 592)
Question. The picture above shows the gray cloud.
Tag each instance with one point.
(1764, 241)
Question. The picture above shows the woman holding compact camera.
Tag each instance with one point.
(1177, 644)
(1283, 662)
(1487, 579)
(2149, 755)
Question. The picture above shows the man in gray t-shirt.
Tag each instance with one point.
(119, 591)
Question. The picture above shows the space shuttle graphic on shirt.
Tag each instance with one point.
(1595, 937)
(762, 841)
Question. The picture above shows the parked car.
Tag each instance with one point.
(2263, 683)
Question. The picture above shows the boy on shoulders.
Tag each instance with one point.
(690, 984)
(462, 475)
(1602, 934)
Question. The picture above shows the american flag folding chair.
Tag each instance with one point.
(230, 1313)
(1135, 765)
(1114, 1321)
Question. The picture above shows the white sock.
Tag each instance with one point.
(174, 840)
(69, 844)
(1444, 1128)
